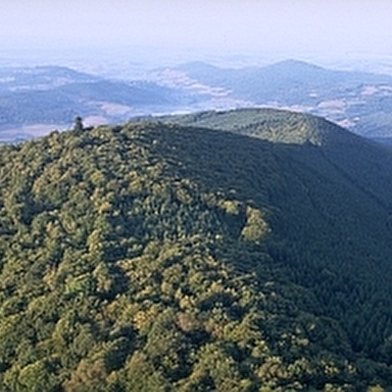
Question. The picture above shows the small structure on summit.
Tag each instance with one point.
(78, 124)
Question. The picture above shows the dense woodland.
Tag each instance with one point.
(163, 257)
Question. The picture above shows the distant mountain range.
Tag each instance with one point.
(36, 100)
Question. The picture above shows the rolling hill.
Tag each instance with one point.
(182, 254)
(277, 126)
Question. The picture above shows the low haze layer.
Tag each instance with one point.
(291, 27)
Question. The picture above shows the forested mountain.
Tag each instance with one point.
(155, 256)
(277, 126)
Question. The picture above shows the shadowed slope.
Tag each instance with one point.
(162, 257)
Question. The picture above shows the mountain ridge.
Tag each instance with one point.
(274, 125)
(158, 256)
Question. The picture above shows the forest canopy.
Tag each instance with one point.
(159, 257)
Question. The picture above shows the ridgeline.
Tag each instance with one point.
(181, 254)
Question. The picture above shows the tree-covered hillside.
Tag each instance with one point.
(159, 257)
(277, 126)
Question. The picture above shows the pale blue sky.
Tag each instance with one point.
(238, 26)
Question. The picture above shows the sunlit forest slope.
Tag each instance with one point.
(241, 251)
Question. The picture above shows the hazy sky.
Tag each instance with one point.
(334, 27)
